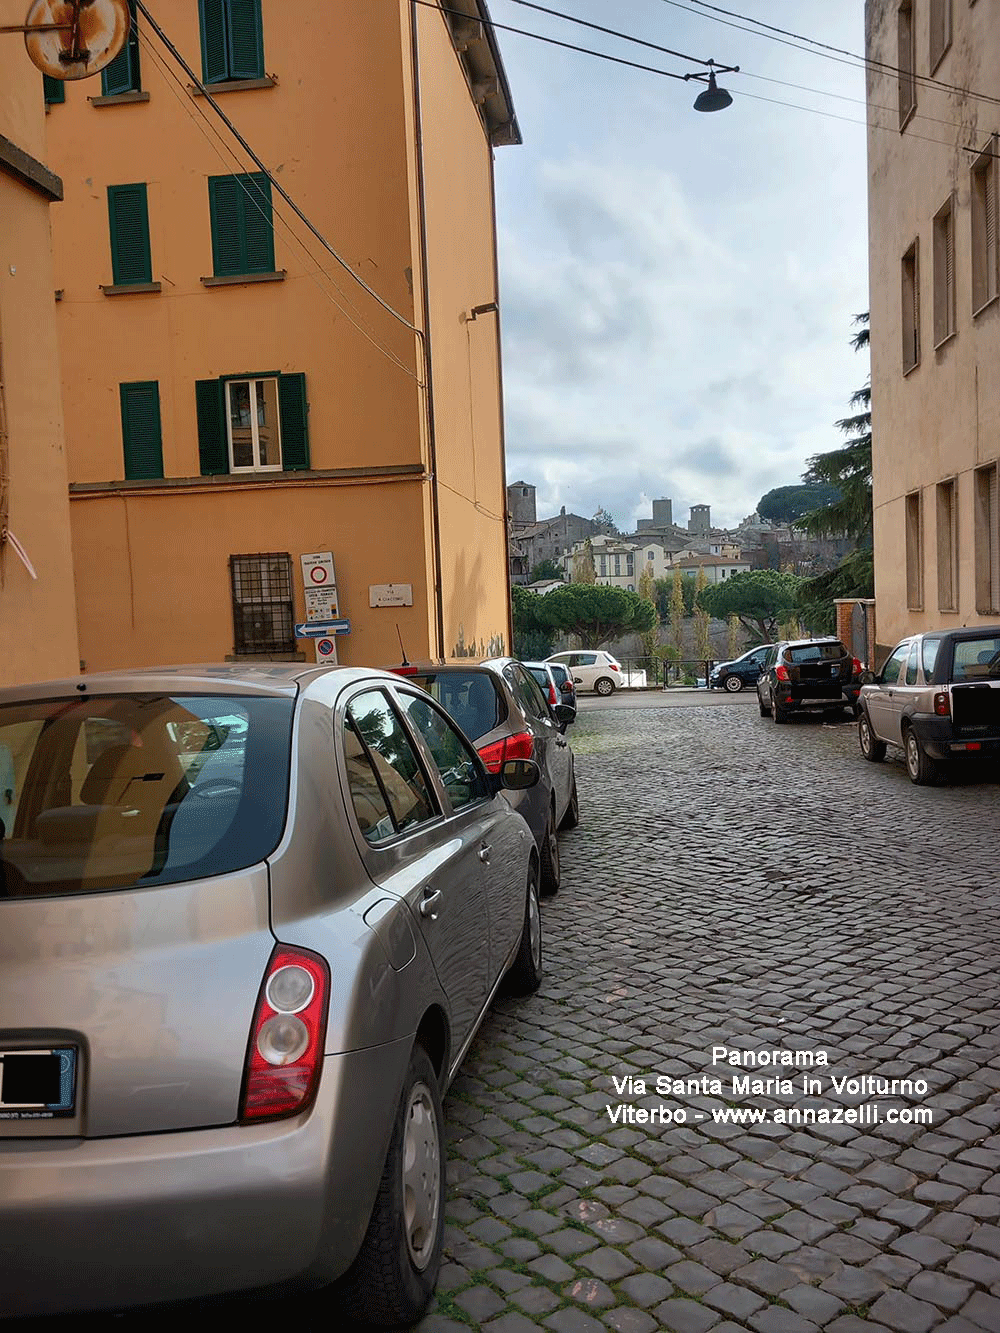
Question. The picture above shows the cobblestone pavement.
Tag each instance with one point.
(734, 884)
(741, 885)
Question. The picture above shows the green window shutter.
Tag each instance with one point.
(225, 197)
(55, 89)
(213, 442)
(122, 75)
(128, 216)
(294, 422)
(259, 224)
(214, 58)
(246, 40)
(142, 437)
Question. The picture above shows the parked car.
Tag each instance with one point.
(808, 675)
(556, 682)
(234, 992)
(502, 710)
(938, 697)
(597, 671)
(740, 672)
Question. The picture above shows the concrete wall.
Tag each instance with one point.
(38, 637)
(941, 419)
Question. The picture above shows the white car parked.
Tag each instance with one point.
(597, 671)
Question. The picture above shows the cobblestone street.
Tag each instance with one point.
(737, 884)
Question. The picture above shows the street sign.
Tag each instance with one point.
(318, 571)
(321, 629)
(321, 603)
(390, 594)
(326, 651)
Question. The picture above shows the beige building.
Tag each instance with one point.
(235, 398)
(935, 314)
(38, 637)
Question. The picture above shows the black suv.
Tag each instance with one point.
(808, 675)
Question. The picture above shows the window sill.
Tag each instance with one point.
(235, 85)
(906, 117)
(908, 370)
(943, 342)
(240, 279)
(127, 288)
(992, 300)
(119, 99)
(938, 56)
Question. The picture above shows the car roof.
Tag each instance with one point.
(267, 678)
(800, 643)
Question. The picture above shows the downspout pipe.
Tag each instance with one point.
(426, 339)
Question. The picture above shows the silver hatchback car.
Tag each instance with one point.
(250, 920)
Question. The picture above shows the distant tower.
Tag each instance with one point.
(663, 513)
(700, 520)
(521, 502)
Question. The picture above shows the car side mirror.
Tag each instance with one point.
(868, 677)
(565, 714)
(520, 774)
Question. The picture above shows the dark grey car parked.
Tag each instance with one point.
(807, 675)
(503, 711)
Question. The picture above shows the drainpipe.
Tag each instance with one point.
(500, 408)
(426, 338)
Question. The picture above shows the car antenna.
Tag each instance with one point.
(401, 648)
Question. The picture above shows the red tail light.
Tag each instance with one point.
(941, 705)
(405, 671)
(495, 755)
(614, 666)
(553, 697)
(781, 671)
(286, 1042)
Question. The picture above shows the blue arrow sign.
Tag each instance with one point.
(322, 629)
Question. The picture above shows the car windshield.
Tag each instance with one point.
(978, 658)
(469, 696)
(122, 791)
(816, 652)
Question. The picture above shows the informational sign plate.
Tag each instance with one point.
(321, 629)
(321, 604)
(390, 594)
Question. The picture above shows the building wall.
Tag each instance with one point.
(339, 131)
(465, 351)
(941, 420)
(38, 639)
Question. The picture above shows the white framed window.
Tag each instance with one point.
(944, 272)
(253, 425)
(985, 260)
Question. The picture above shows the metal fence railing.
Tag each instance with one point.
(693, 672)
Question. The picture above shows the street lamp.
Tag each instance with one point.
(713, 98)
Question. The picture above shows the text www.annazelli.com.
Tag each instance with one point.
(869, 1113)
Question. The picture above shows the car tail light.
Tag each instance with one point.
(941, 704)
(614, 666)
(405, 671)
(286, 1042)
(781, 671)
(553, 697)
(496, 754)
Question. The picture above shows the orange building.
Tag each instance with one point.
(235, 398)
(38, 637)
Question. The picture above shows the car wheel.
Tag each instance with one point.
(572, 816)
(733, 684)
(551, 870)
(778, 713)
(921, 767)
(525, 973)
(604, 685)
(871, 747)
(764, 710)
(393, 1278)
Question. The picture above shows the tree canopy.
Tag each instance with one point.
(546, 569)
(760, 597)
(594, 612)
(785, 504)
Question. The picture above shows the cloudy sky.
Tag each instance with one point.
(678, 289)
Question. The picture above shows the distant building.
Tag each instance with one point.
(701, 519)
(552, 538)
(521, 504)
(717, 568)
(614, 561)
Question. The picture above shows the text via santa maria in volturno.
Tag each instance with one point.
(776, 1086)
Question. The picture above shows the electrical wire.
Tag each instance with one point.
(611, 32)
(207, 129)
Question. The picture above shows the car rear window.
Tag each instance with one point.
(977, 659)
(815, 652)
(541, 675)
(470, 697)
(124, 791)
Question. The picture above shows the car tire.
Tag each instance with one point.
(922, 769)
(604, 685)
(733, 684)
(572, 816)
(871, 747)
(525, 974)
(764, 710)
(392, 1281)
(551, 873)
(779, 714)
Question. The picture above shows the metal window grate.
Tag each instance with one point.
(263, 608)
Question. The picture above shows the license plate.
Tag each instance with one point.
(37, 1084)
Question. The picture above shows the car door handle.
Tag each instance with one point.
(429, 903)
(484, 853)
